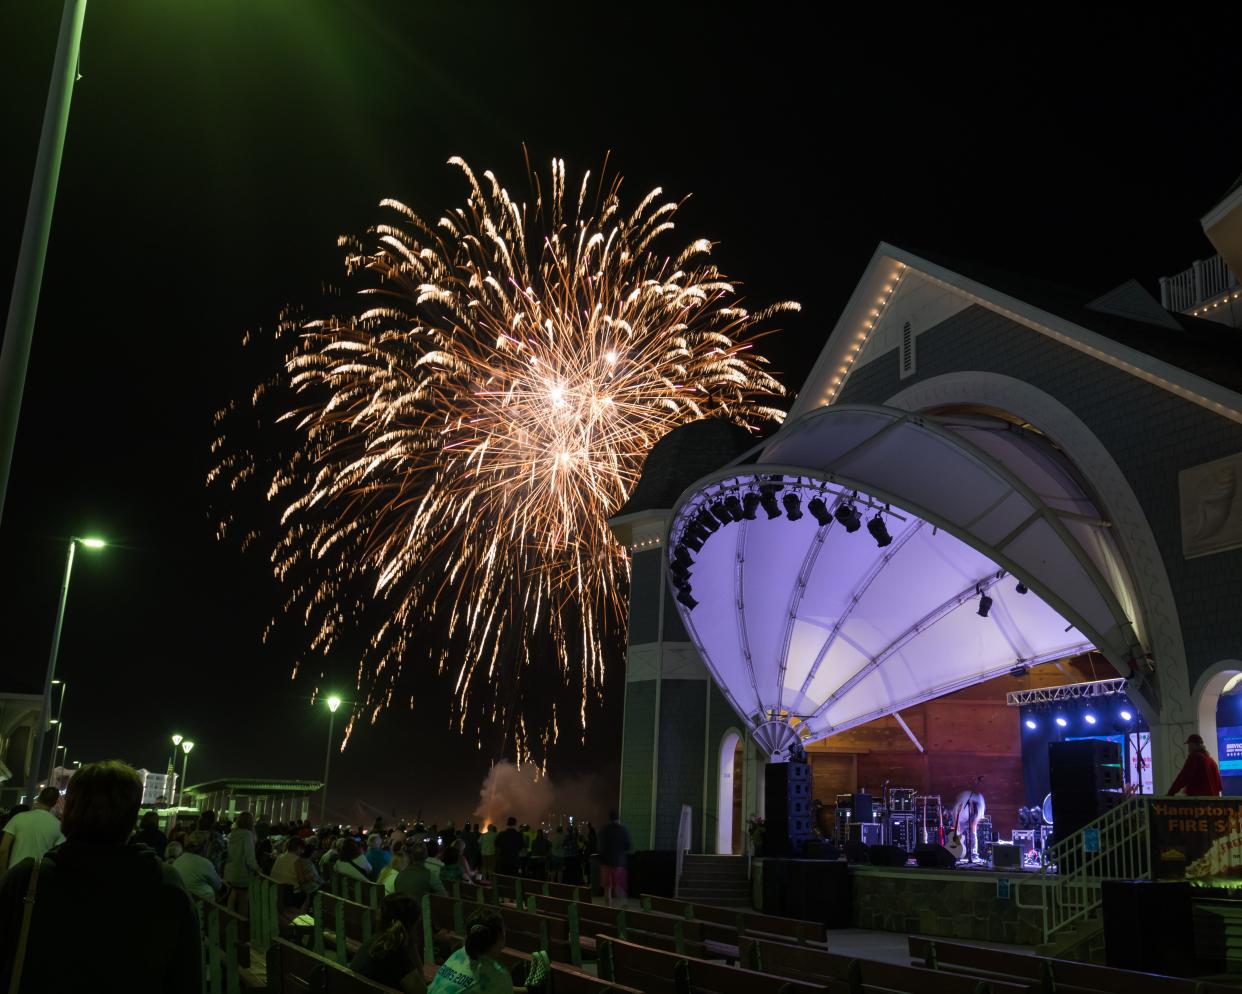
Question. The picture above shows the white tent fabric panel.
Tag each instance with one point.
(821, 629)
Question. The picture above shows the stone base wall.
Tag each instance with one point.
(960, 905)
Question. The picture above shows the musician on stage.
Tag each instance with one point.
(968, 810)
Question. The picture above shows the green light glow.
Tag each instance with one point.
(177, 739)
(334, 702)
(93, 543)
(187, 746)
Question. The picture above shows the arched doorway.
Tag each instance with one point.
(729, 794)
(1217, 705)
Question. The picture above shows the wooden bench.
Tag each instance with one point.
(524, 930)
(226, 950)
(1062, 976)
(741, 922)
(294, 970)
(659, 972)
(517, 889)
(353, 889)
(815, 965)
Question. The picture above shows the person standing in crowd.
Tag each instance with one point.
(1200, 776)
(537, 861)
(136, 928)
(216, 849)
(416, 880)
(388, 875)
(487, 850)
(240, 865)
(391, 957)
(614, 844)
(376, 854)
(32, 833)
(149, 833)
(556, 855)
(509, 847)
(434, 863)
(195, 869)
(572, 857)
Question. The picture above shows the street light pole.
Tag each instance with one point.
(24, 304)
(36, 759)
(60, 718)
(334, 702)
(185, 768)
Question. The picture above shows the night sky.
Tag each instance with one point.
(217, 149)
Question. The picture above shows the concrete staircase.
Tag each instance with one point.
(1083, 942)
(715, 880)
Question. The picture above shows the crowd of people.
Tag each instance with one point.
(91, 856)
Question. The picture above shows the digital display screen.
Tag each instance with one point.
(1229, 749)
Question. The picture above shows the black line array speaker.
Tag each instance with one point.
(787, 808)
(1149, 926)
(931, 856)
(1084, 775)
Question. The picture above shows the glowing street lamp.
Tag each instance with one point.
(170, 794)
(333, 703)
(186, 746)
(89, 543)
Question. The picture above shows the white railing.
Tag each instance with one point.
(1071, 885)
(1204, 280)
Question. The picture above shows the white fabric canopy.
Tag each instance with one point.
(811, 630)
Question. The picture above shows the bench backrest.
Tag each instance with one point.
(1067, 975)
(753, 922)
(294, 970)
(353, 889)
(669, 973)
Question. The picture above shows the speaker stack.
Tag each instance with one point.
(787, 810)
(1086, 781)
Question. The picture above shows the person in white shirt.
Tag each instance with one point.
(352, 863)
(32, 833)
(196, 871)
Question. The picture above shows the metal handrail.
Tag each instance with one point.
(1071, 883)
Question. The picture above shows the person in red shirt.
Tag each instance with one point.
(1200, 775)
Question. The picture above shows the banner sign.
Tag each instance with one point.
(1196, 839)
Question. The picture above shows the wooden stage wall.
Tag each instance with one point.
(964, 735)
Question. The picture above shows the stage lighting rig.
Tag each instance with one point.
(985, 605)
(750, 504)
(820, 511)
(879, 531)
(682, 555)
(767, 497)
(1021, 587)
(706, 521)
(848, 517)
(692, 540)
(793, 506)
(683, 597)
(722, 513)
(734, 507)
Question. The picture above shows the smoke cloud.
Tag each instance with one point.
(533, 799)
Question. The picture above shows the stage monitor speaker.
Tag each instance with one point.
(820, 849)
(856, 852)
(931, 856)
(1006, 856)
(888, 856)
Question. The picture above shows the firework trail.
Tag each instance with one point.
(453, 447)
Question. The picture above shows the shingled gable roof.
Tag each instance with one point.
(1201, 360)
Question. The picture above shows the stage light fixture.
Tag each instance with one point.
(767, 498)
(684, 598)
(879, 531)
(681, 574)
(721, 513)
(734, 507)
(819, 511)
(692, 541)
(749, 504)
(985, 605)
(682, 555)
(793, 506)
(1126, 715)
(1089, 718)
(707, 522)
(848, 517)
(1061, 721)
(1032, 724)
(1021, 588)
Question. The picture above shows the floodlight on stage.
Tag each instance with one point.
(1089, 718)
(721, 513)
(707, 522)
(1061, 721)
(879, 531)
(1021, 587)
(1032, 724)
(682, 555)
(734, 507)
(681, 574)
(767, 498)
(1126, 715)
(819, 511)
(793, 506)
(749, 503)
(692, 541)
(985, 605)
(847, 514)
(684, 598)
